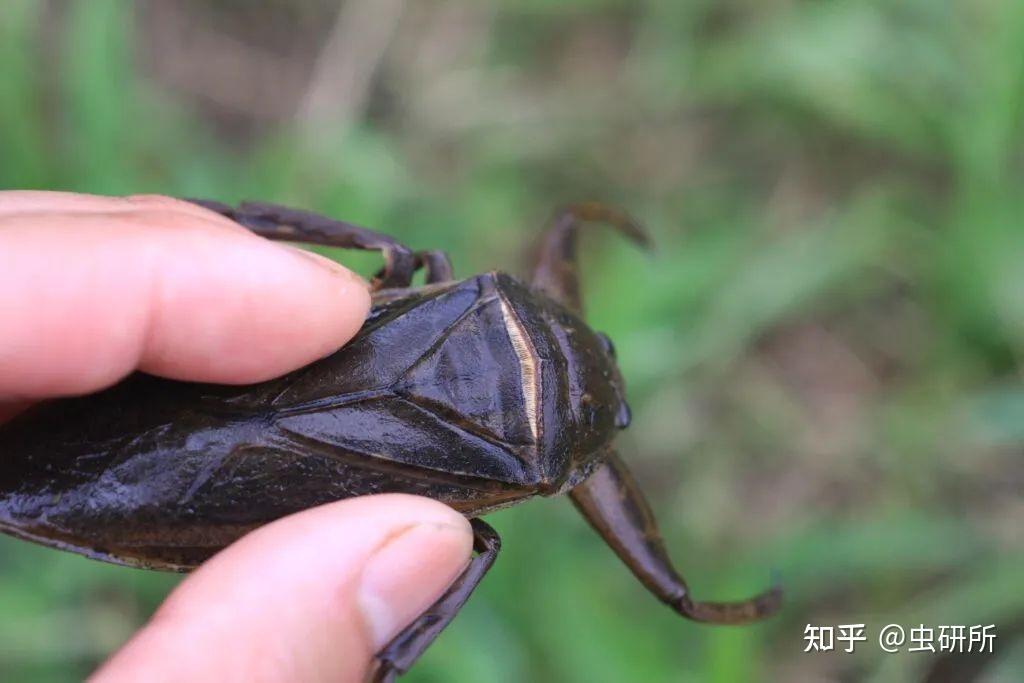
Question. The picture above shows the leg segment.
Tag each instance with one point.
(614, 506)
(437, 264)
(293, 225)
(554, 269)
(398, 655)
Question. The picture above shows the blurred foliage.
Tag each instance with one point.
(824, 355)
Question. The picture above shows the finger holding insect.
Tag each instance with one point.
(89, 294)
(48, 202)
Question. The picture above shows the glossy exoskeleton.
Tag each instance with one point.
(480, 393)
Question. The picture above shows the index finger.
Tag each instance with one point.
(87, 296)
(49, 201)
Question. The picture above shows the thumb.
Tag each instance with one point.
(310, 597)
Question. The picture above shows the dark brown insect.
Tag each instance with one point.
(481, 393)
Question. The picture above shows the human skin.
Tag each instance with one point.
(93, 288)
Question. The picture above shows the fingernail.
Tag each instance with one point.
(408, 574)
(324, 262)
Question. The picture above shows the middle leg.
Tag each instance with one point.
(294, 225)
(437, 265)
(398, 655)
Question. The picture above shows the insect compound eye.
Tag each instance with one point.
(606, 342)
(624, 416)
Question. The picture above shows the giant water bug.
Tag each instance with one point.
(481, 393)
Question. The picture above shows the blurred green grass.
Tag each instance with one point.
(823, 356)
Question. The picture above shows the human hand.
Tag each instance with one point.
(92, 288)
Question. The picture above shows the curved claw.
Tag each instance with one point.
(742, 612)
(612, 503)
(554, 268)
(613, 216)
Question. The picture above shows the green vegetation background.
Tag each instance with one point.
(824, 355)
